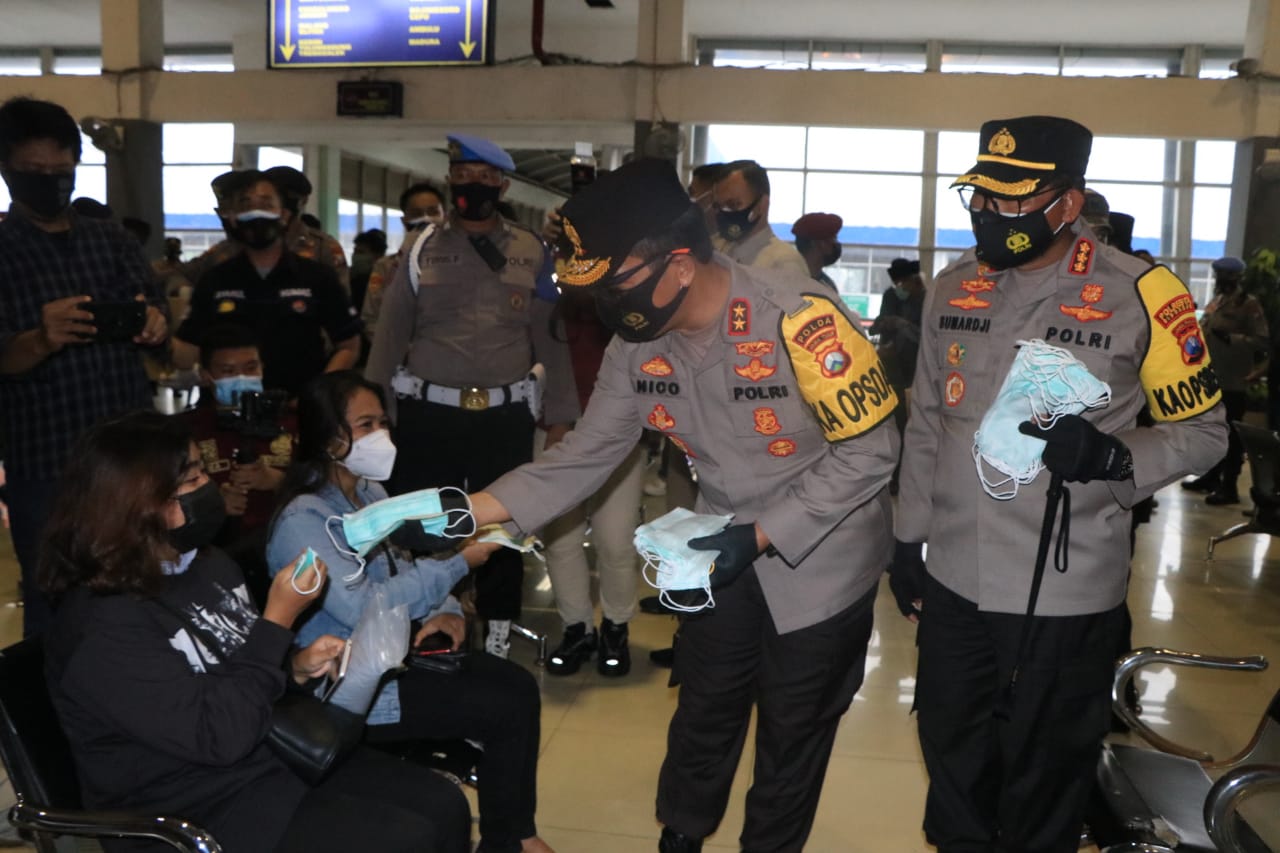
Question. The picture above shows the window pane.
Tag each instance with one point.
(1210, 207)
(1145, 203)
(954, 230)
(1218, 67)
(1200, 282)
(91, 182)
(76, 64)
(199, 143)
(90, 153)
(348, 226)
(20, 64)
(1118, 158)
(1078, 62)
(877, 209)
(837, 56)
(786, 201)
(372, 214)
(1215, 162)
(188, 200)
(269, 156)
(771, 147)
(993, 59)
(866, 150)
(956, 152)
(783, 59)
(199, 62)
(394, 229)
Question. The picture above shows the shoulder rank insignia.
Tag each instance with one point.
(968, 303)
(1082, 257)
(657, 366)
(739, 317)
(1176, 374)
(837, 370)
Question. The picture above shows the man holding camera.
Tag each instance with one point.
(76, 300)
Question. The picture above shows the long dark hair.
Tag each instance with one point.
(322, 417)
(107, 530)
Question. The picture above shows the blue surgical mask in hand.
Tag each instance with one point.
(369, 525)
(664, 545)
(228, 389)
(1044, 383)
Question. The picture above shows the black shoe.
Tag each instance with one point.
(677, 842)
(1200, 484)
(615, 654)
(663, 657)
(1222, 497)
(574, 650)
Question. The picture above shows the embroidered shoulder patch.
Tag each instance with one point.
(837, 369)
(1175, 373)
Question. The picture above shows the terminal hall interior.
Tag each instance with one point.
(867, 109)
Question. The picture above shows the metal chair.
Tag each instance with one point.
(1165, 799)
(43, 773)
(1262, 447)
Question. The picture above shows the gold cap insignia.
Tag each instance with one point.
(1002, 143)
(580, 270)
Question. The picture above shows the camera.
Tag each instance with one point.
(256, 415)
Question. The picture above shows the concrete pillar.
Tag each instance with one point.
(1255, 197)
(1262, 37)
(661, 40)
(132, 39)
(322, 165)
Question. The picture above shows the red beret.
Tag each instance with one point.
(817, 226)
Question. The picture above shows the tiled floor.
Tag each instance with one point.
(603, 740)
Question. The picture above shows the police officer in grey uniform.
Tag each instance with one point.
(1009, 769)
(462, 323)
(765, 383)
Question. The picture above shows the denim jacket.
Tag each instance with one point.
(422, 584)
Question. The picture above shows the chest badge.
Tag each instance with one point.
(1090, 294)
(660, 420)
(754, 348)
(226, 306)
(782, 447)
(969, 303)
(953, 390)
(755, 370)
(1190, 341)
(517, 301)
(299, 306)
(739, 317)
(977, 285)
(956, 353)
(657, 366)
(767, 421)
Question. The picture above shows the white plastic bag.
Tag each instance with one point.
(379, 644)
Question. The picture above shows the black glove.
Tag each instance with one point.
(1221, 335)
(737, 547)
(906, 577)
(1079, 452)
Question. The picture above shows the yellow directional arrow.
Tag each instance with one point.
(468, 45)
(287, 48)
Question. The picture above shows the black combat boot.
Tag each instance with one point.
(675, 842)
(615, 653)
(575, 649)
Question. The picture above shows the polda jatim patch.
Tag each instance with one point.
(766, 421)
(739, 317)
(660, 419)
(1176, 372)
(657, 366)
(820, 338)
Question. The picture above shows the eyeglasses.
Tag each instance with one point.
(974, 199)
(612, 286)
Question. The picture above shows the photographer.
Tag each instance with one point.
(246, 438)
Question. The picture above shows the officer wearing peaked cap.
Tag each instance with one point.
(731, 363)
(1010, 766)
(462, 324)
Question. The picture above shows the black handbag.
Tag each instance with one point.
(312, 737)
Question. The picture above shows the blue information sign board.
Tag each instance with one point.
(347, 33)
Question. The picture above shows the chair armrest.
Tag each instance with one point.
(175, 832)
(1128, 666)
(1224, 799)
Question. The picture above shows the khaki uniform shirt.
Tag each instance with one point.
(1236, 330)
(742, 402)
(1134, 327)
(763, 250)
(470, 326)
(383, 273)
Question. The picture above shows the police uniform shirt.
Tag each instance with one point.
(781, 409)
(287, 310)
(469, 326)
(1236, 330)
(1134, 327)
(763, 250)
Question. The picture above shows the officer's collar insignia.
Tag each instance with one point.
(579, 270)
(1082, 257)
(1002, 143)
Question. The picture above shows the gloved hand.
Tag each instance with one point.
(1079, 452)
(738, 549)
(906, 578)
(412, 537)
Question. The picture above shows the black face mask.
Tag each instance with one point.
(203, 513)
(833, 256)
(736, 224)
(631, 313)
(475, 201)
(45, 195)
(257, 233)
(1005, 242)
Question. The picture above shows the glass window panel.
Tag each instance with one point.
(394, 229)
(199, 62)
(372, 216)
(199, 143)
(1077, 62)
(186, 190)
(788, 58)
(1200, 282)
(20, 64)
(837, 56)
(771, 147)
(1117, 158)
(865, 150)
(1145, 203)
(91, 182)
(90, 154)
(348, 223)
(270, 156)
(877, 209)
(957, 151)
(991, 59)
(1215, 162)
(954, 229)
(1210, 207)
(786, 200)
(1218, 67)
(77, 64)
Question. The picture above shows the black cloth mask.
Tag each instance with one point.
(833, 256)
(736, 224)
(257, 233)
(203, 513)
(631, 313)
(1005, 242)
(47, 195)
(475, 201)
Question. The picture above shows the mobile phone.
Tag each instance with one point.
(117, 321)
(343, 662)
(438, 643)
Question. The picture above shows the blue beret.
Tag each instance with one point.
(473, 149)
(1228, 265)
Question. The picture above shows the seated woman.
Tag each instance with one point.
(343, 448)
(164, 674)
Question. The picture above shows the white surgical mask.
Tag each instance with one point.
(372, 456)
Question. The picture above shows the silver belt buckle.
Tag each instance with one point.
(474, 399)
